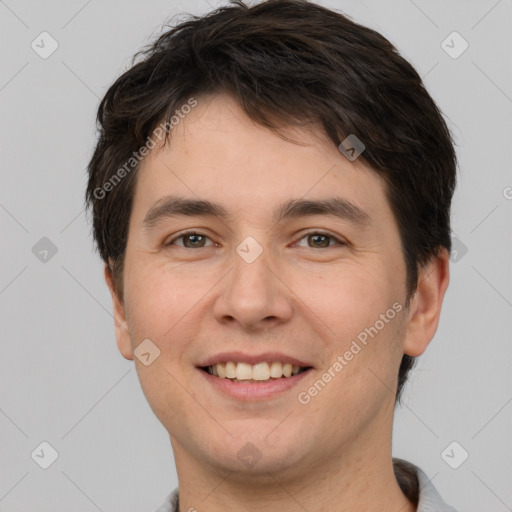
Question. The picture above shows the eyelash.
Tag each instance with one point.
(189, 233)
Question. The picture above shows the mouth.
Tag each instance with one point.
(245, 377)
(254, 373)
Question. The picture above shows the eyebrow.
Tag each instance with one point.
(175, 206)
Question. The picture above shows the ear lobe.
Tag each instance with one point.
(425, 307)
(121, 326)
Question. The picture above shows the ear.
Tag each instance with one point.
(425, 306)
(121, 326)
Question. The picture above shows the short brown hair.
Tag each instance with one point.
(287, 62)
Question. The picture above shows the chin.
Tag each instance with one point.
(256, 452)
(261, 469)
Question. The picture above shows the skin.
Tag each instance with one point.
(298, 297)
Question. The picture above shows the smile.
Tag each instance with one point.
(259, 372)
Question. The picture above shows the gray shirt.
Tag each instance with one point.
(412, 480)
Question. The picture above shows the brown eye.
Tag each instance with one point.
(190, 240)
(319, 240)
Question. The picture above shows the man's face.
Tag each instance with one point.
(305, 298)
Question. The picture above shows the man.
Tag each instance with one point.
(271, 197)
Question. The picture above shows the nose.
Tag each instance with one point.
(254, 295)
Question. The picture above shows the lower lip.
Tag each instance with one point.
(253, 390)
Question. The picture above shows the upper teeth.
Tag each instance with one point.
(259, 371)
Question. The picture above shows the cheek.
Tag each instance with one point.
(361, 310)
(347, 298)
(160, 298)
(160, 306)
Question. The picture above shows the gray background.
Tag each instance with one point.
(62, 379)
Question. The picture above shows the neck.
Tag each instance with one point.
(352, 480)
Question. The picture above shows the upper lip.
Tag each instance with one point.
(242, 357)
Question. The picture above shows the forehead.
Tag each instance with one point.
(217, 152)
